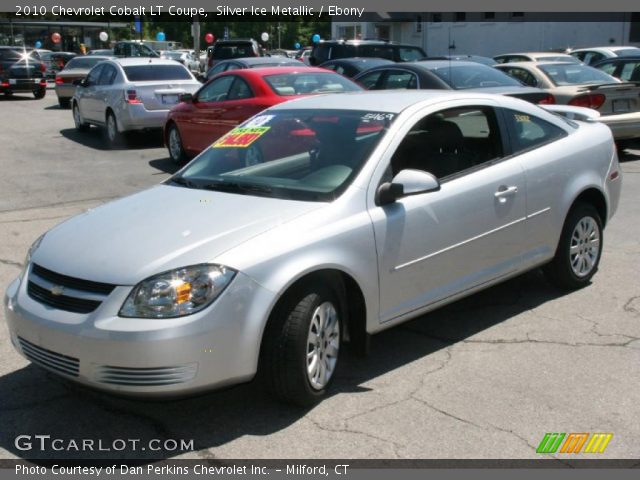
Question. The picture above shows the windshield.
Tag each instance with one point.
(310, 155)
(84, 62)
(575, 74)
(301, 83)
(461, 77)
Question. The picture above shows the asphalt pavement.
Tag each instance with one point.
(486, 377)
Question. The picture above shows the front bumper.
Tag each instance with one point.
(624, 126)
(144, 357)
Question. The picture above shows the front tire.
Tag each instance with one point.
(579, 250)
(302, 345)
(174, 145)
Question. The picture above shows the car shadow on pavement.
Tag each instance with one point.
(165, 165)
(94, 138)
(17, 97)
(35, 402)
(630, 152)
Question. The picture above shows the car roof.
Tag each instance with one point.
(359, 60)
(263, 72)
(392, 101)
(132, 61)
(611, 48)
(259, 60)
(537, 64)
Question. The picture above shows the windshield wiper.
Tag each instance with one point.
(235, 187)
(184, 182)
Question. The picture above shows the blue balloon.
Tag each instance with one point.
(160, 36)
(38, 44)
(315, 38)
(297, 46)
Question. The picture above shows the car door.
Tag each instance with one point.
(88, 96)
(201, 127)
(435, 245)
(240, 105)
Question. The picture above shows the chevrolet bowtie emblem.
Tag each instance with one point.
(57, 290)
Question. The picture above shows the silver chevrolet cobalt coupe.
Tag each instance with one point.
(361, 211)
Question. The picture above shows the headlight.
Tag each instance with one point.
(178, 292)
(32, 249)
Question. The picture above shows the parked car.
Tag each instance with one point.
(303, 55)
(21, 70)
(596, 54)
(55, 61)
(626, 69)
(105, 52)
(535, 57)
(130, 94)
(333, 49)
(467, 58)
(232, 97)
(76, 69)
(186, 58)
(447, 75)
(350, 67)
(379, 214)
(584, 86)
(251, 62)
(128, 48)
(236, 48)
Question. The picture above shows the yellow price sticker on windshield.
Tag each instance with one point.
(241, 137)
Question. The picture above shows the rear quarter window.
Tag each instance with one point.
(528, 131)
(149, 73)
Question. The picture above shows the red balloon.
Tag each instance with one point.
(55, 37)
(209, 38)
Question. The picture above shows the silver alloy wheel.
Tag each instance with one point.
(76, 116)
(252, 156)
(585, 246)
(175, 145)
(112, 128)
(323, 343)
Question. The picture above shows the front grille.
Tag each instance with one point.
(43, 282)
(145, 377)
(48, 359)
(71, 282)
(61, 302)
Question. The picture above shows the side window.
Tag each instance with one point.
(398, 79)
(530, 132)
(522, 75)
(217, 90)
(108, 75)
(371, 80)
(94, 75)
(630, 72)
(579, 55)
(609, 68)
(450, 142)
(239, 90)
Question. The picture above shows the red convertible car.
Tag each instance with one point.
(232, 97)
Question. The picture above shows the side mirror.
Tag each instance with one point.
(407, 182)
(187, 97)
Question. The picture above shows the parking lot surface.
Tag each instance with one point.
(486, 377)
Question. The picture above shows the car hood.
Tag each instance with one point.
(165, 227)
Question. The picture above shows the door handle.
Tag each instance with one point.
(504, 192)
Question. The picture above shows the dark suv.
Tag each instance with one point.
(334, 49)
(236, 48)
(21, 70)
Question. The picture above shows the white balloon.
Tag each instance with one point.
(104, 36)
(264, 37)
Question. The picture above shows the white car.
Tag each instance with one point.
(130, 94)
(593, 55)
(368, 209)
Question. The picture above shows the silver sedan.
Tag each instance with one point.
(366, 210)
(130, 94)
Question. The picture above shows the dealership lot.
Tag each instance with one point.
(483, 378)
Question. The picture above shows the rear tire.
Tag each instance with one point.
(302, 343)
(579, 249)
(39, 93)
(63, 102)
(113, 136)
(174, 145)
